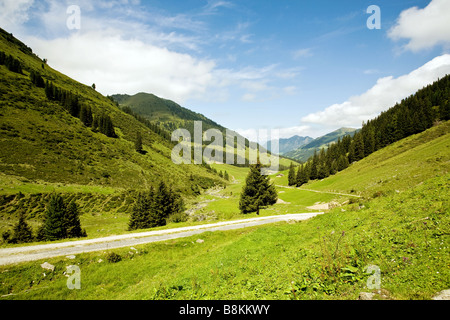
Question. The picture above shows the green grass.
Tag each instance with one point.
(405, 235)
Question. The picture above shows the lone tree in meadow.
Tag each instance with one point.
(138, 143)
(258, 192)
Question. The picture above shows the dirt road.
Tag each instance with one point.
(44, 251)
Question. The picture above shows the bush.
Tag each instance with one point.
(113, 257)
(178, 217)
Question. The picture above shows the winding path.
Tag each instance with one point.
(44, 251)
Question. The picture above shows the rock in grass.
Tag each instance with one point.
(48, 266)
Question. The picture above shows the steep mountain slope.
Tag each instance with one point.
(289, 144)
(42, 141)
(166, 113)
(304, 152)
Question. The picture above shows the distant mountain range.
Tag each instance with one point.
(305, 151)
(289, 144)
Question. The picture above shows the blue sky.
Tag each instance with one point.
(303, 67)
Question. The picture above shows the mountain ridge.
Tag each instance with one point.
(304, 152)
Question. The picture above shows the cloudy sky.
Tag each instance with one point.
(305, 67)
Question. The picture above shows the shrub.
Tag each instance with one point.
(113, 257)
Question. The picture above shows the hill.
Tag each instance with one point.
(288, 144)
(166, 116)
(50, 144)
(304, 152)
(166, 113)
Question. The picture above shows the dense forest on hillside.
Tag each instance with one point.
(412, 115)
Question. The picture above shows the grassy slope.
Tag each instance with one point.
(405, 234)
(399, 166)
(44, 150)
(42, 141)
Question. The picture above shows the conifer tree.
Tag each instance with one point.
(302, 177)
(258, 192)
(21, 233)
(61, 220)
(72, 222)
(313, 167)
(141, 211)
(138, 142)
(165, 204)
(291, 176)
(359, 146)
(54, 223)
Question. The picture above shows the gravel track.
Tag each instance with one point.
(37, 252)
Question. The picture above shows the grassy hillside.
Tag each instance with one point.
(45, 149)
(40, 140)
(305, 152)
(162, 111)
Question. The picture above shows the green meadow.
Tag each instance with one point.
(399, 222)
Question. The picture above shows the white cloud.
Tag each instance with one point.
(383, 95)
(424, 28)
(126, 66)
(302, 53)
(13, 13)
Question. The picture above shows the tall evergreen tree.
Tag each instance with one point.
(138, 142)
(167, 202)
(22, 232)
(141, 211)
(54, 223)
(291, 176)
(302, 175)
(72, 222)
(313, 167)
(258, 192)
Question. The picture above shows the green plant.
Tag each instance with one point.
(113, 257)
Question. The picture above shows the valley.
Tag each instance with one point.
(74, 158)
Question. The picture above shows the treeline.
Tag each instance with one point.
(71, 102)
(412, 115)
(10, 62)
(61, 221)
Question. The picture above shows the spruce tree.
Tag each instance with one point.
(141, 211)
(54, 223)
(164, 205)
(313, 167)
(138, 142)
(72, 222)
(302, 177)
(22, 232)
(291, 176)
(258, 192)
